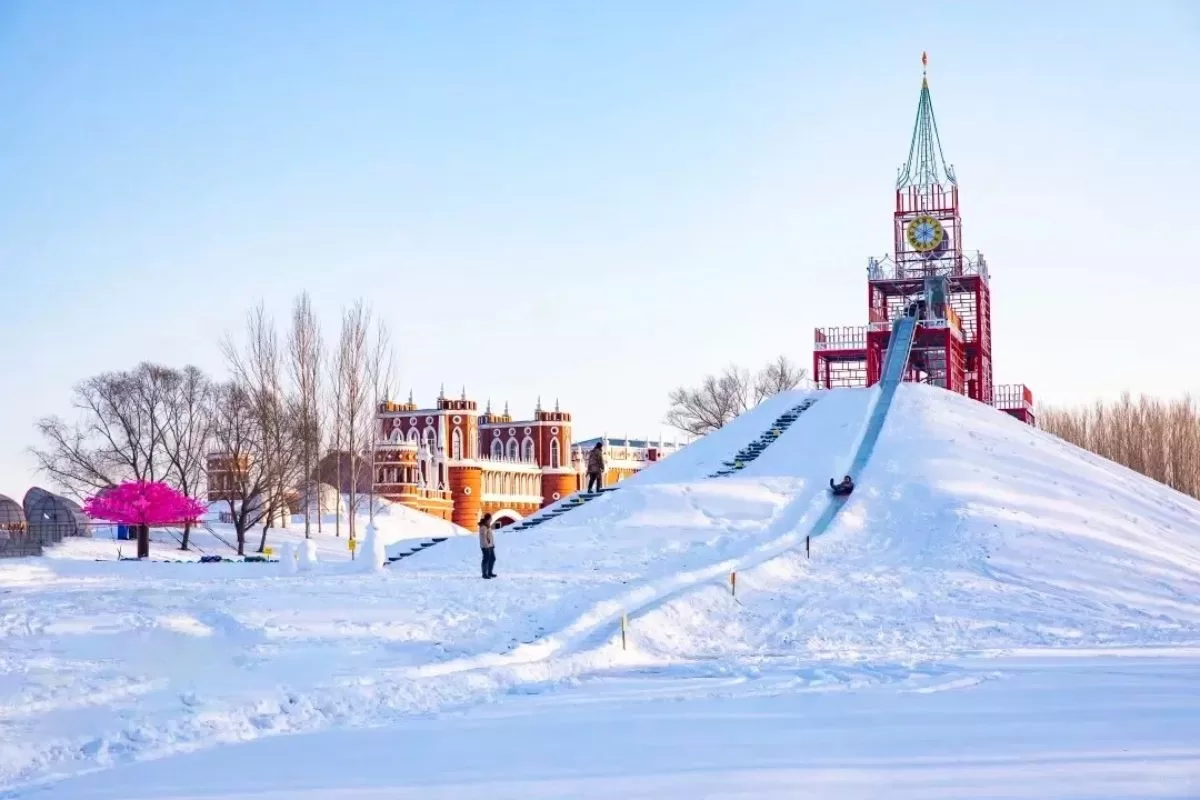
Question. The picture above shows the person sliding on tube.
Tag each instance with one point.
(841, 489)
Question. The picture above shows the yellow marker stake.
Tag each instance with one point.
(268, 551)
(733, 583)
(624, 625)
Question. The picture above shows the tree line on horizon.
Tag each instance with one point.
(1154, 437)
(287, 407)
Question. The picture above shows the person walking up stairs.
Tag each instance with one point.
(595, 468)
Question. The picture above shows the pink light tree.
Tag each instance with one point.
(144, 505)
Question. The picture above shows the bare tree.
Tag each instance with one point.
(119, 435)
(1159, 439)
(187, 429)
(238, 439)
(382, 363)
(781, 375)
(720, 398)
(305, 348)
(336, 402)
(258, 370)
(354, 392)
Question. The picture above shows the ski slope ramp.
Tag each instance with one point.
(968, 532)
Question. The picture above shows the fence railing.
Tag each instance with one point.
(1012, 396)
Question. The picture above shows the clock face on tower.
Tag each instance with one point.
(925, 234)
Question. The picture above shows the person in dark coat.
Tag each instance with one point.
(595, 468)
(487, 543)
(845, 487)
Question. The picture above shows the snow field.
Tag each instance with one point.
(395, 523)
(970, 535)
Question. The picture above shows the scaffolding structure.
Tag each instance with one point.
(929, 277)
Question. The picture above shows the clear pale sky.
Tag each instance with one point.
(591, 201)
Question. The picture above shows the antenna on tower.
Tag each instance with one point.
(926, 163)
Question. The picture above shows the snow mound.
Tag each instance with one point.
(969, 532)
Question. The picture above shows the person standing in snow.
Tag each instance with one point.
(595, 468)
(487, 543)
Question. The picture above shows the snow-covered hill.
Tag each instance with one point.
(970, 535)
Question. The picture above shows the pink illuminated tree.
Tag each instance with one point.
(144, 505)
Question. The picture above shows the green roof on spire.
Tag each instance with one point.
(926, 164)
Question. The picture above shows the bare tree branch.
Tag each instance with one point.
(121, 432)
(720, 398)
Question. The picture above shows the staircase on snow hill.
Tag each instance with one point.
(574, 501)
(756, 448)
(743, 457)
(421, 546)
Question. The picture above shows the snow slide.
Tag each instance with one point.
(969, 532)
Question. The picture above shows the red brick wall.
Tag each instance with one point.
(561, 484)
(551, 431)
(465, 484)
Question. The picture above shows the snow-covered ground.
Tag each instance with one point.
(993, 614)
(395, 523)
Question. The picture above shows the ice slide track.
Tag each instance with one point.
(740, 461)
(599, 624)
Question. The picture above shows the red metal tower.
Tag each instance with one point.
(932, 277)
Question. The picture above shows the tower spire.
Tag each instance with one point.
(926, 164)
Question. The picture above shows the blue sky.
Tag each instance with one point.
(594, 201)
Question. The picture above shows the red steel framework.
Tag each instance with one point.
(931, 276)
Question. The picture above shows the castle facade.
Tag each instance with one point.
(455, 462)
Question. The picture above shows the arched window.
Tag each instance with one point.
(527, 447)
(555, 460)
(431, 440)
(412, 435)
(513, 450)
(497, 449)
(456, 444)
(397, 436)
